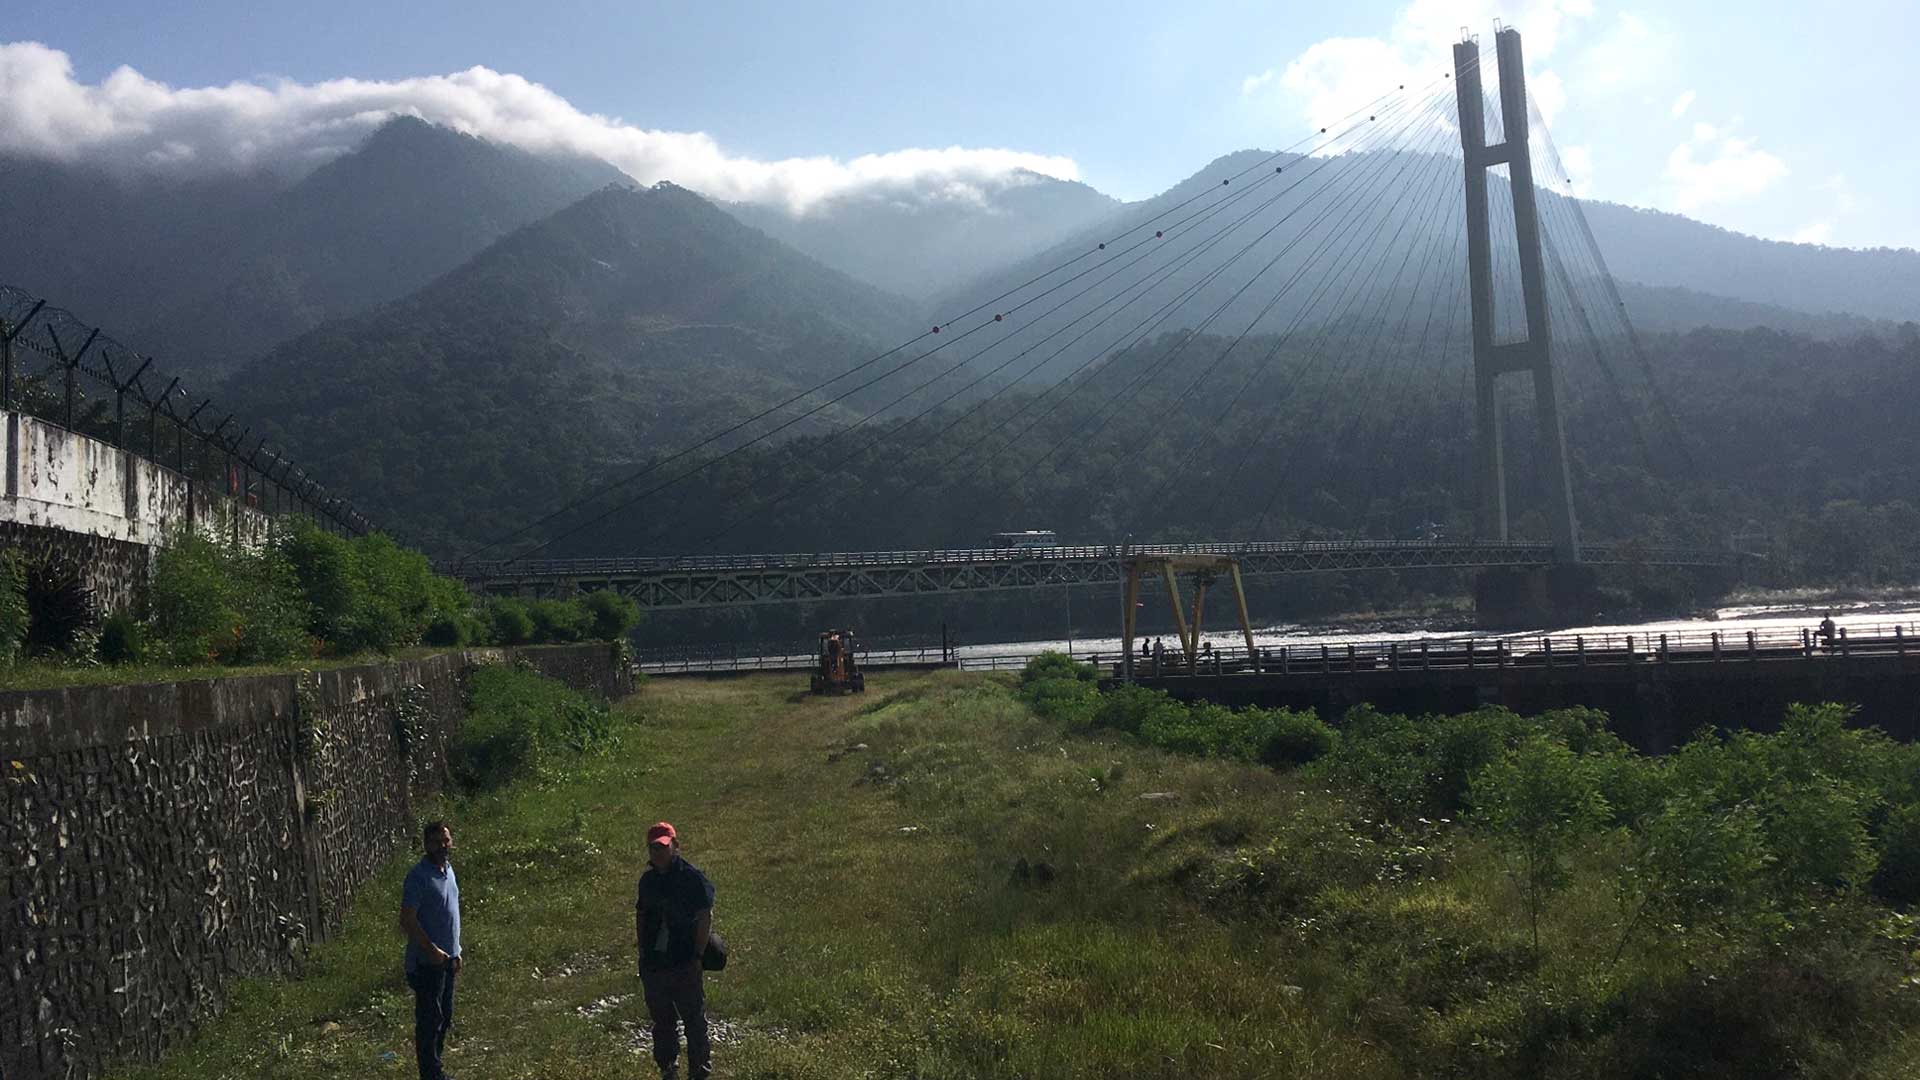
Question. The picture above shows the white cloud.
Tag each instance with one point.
(1820, 232)
(1716, 166)
(130, 122)
(1333, 78)
(1682, 103)
(1578, 161)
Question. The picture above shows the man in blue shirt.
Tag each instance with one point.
(672, 920)
(430, 915)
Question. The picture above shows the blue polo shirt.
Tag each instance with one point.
(670, 902)
(433, 893)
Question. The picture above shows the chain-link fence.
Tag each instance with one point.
(60, 369)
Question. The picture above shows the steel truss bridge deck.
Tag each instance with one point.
(703, 581)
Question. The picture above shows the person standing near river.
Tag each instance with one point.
(430, 916)
(672, 920)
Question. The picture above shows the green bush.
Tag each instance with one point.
(610, 615)
(1289, 738)
(1069, 702)
(557, 622)
(123, 640)
(509, 622)
(1898, 878)
(522, 724)
(13, 607)
(214, 603)
(1126, 708)
(1056, 665)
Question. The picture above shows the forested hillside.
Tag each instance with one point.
(213, 271)
(630, 321)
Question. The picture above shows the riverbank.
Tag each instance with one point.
(929, 881)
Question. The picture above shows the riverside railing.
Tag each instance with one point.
(1434, 654)
(64, 371)
(1534, 651)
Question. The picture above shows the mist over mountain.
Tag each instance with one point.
(628, 322)
(210, 272)
(922, 242)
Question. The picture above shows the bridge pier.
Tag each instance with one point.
(1515, 598)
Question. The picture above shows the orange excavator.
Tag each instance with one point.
(838, 671)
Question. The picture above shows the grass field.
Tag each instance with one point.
(927, 881)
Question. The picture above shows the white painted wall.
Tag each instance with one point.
(57, 479)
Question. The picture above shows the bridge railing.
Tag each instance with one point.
(64, 371)
(511, 569)
(1550, 650)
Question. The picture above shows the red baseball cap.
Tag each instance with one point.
(662, 833)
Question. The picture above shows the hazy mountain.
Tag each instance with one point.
(621, 325)
(209, 273)
(920, 243)
(1657, 248)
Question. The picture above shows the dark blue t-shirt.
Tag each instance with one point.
(670, 902)
(433, 893)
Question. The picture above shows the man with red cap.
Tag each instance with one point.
(672, 920)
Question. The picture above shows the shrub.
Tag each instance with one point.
(610, 615)
(557, 621)
(13, 606)
(189, 594)
(122, 640)
(1291, 738)
(1126, 708)
(1056, 665)
(1537, 801)
(1898, 878)
(1065, 701)
(447, 631)
(521, 724)
(509, 621)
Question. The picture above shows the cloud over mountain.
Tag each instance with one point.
(134, 124)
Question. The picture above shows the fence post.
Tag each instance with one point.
(1469, 654)
(1752, 648)
(1580, 649)
(1352, 660)
(1846, 648)
(1633, 655)
(1806, 642)
(1546, 646)
(1900, 639)
(1665, 657)
(1393, 655)
(1716, 645)
(6, 365)
(1425, 663)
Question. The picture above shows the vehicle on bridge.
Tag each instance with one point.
(1030, 538)
(838, 671)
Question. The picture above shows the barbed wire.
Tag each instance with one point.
(85, 380)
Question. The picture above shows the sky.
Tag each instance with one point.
(1779, 118)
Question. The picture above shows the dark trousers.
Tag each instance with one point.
(432, 1016)
(679, 992)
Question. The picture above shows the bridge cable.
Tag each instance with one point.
(978, 308)
(1163, 275)
(983, 325)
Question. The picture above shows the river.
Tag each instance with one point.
(1858, 618)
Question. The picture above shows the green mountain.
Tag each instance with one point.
(210, 273)
(630, 321)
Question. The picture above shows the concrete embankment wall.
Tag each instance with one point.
(78, 501)
(162, 840)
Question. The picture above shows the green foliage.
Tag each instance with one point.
(1056, 665)
(13, 606)
(211, 602)
(609, 615)
(558, 621)
(521, 724)
(1537, 801)
(123, 640)
(508, 621)
(1414, 767)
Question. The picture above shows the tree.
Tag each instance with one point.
(1538, 801)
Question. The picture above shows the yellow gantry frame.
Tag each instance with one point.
(1205, 569)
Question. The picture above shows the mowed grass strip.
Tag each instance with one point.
(877, 926)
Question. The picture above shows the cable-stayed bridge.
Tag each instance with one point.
(1354, 279)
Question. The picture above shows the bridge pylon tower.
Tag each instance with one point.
(1534, 355)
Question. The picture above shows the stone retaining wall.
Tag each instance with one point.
(162, 840)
